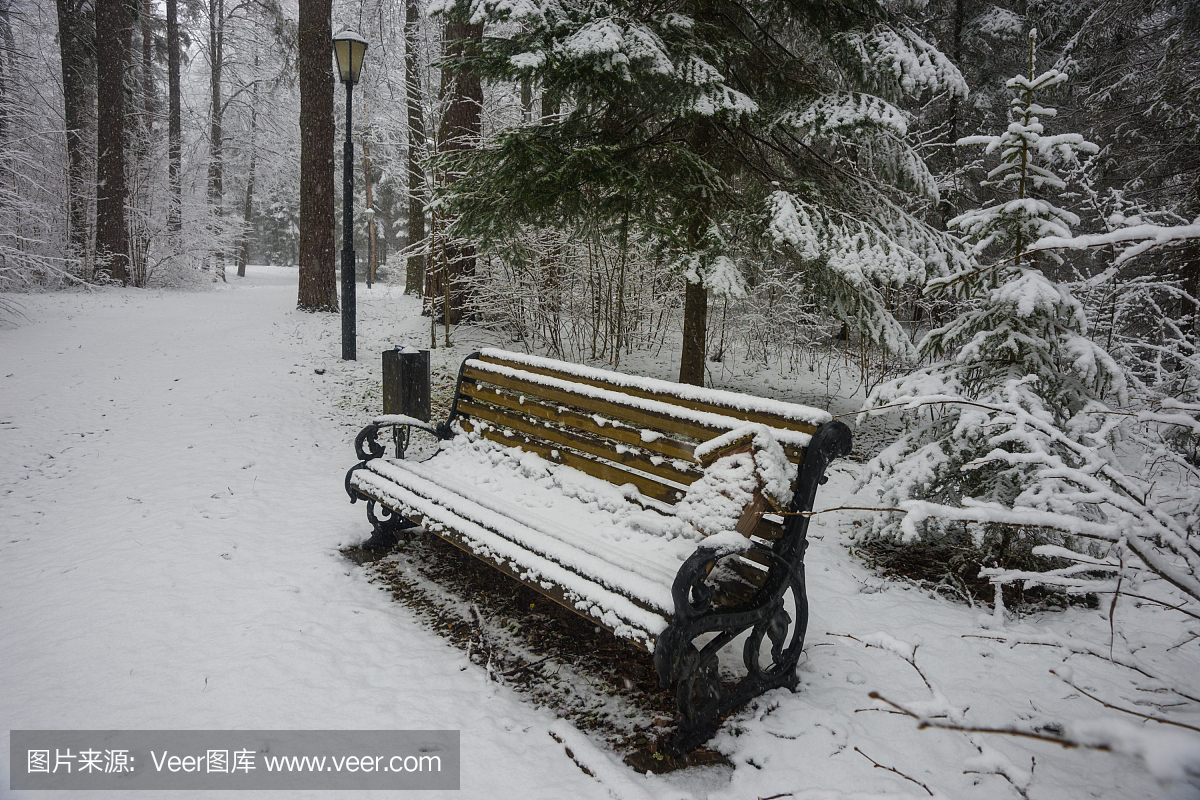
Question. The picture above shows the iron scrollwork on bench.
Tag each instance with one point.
(367, 447)
(701, 695)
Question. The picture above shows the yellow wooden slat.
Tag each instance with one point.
(629, 412)
(666, 445)
(574, 440)
(612, 473)
(752, 415)
(641, 417)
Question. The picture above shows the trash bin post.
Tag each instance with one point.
(406, 382)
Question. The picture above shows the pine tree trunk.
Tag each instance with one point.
(695, 296)
(113, 42)
(695, 328)
(216, 166)
(550, 107)
(144, 149)
(318, 284)
(946, 206)
(414, 278)
(248, 206)
(462, 94)
(78, 75)
(174, 130)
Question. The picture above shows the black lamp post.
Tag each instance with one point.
(349, 48)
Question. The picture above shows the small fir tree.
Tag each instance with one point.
(1020, 338)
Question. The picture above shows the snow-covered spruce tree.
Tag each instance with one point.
(684, 125)
(1020, 338)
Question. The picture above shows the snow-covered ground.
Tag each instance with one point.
(171, 513)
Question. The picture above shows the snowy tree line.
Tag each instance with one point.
(878, 98)
(775, 181)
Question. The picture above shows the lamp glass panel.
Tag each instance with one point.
(357, 51)
(341, 48)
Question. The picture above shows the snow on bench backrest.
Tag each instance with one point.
(623, 429)
(748, 408)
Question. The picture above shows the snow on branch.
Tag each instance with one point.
(1137, 540)
(906, 58)
(1167, 747)
(1140, 238)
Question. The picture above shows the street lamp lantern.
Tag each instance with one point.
(349, 48)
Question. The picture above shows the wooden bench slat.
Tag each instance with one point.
(605, 471)
(665, 444)
(578, 442)
(498, 548)
(552, 592)
(659, 416)
(627, 411)
(768, 529)
(748, 415)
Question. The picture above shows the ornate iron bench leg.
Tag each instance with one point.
(701, 696)
(384, 530)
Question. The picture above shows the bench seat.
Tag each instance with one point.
(577, 539)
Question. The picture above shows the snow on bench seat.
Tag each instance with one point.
(612, 558)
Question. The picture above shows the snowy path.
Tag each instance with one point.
(170, 513)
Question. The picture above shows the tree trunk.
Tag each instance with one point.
(414, 278)
(9, 46)
(174, 130)
(462, 96)
(248, 206)
(550, 107)
(947, 205)
(216, 166)
(144, 150)
(695, 329)
(367, 185)
(78, 75)
(113, 42)
(695, 296)
(318, 284)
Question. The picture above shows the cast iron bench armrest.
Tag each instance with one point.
(367, 446)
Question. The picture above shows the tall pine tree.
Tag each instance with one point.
(684, 125)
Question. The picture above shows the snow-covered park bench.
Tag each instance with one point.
(663, 512)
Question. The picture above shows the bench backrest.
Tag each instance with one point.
(617, 427)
